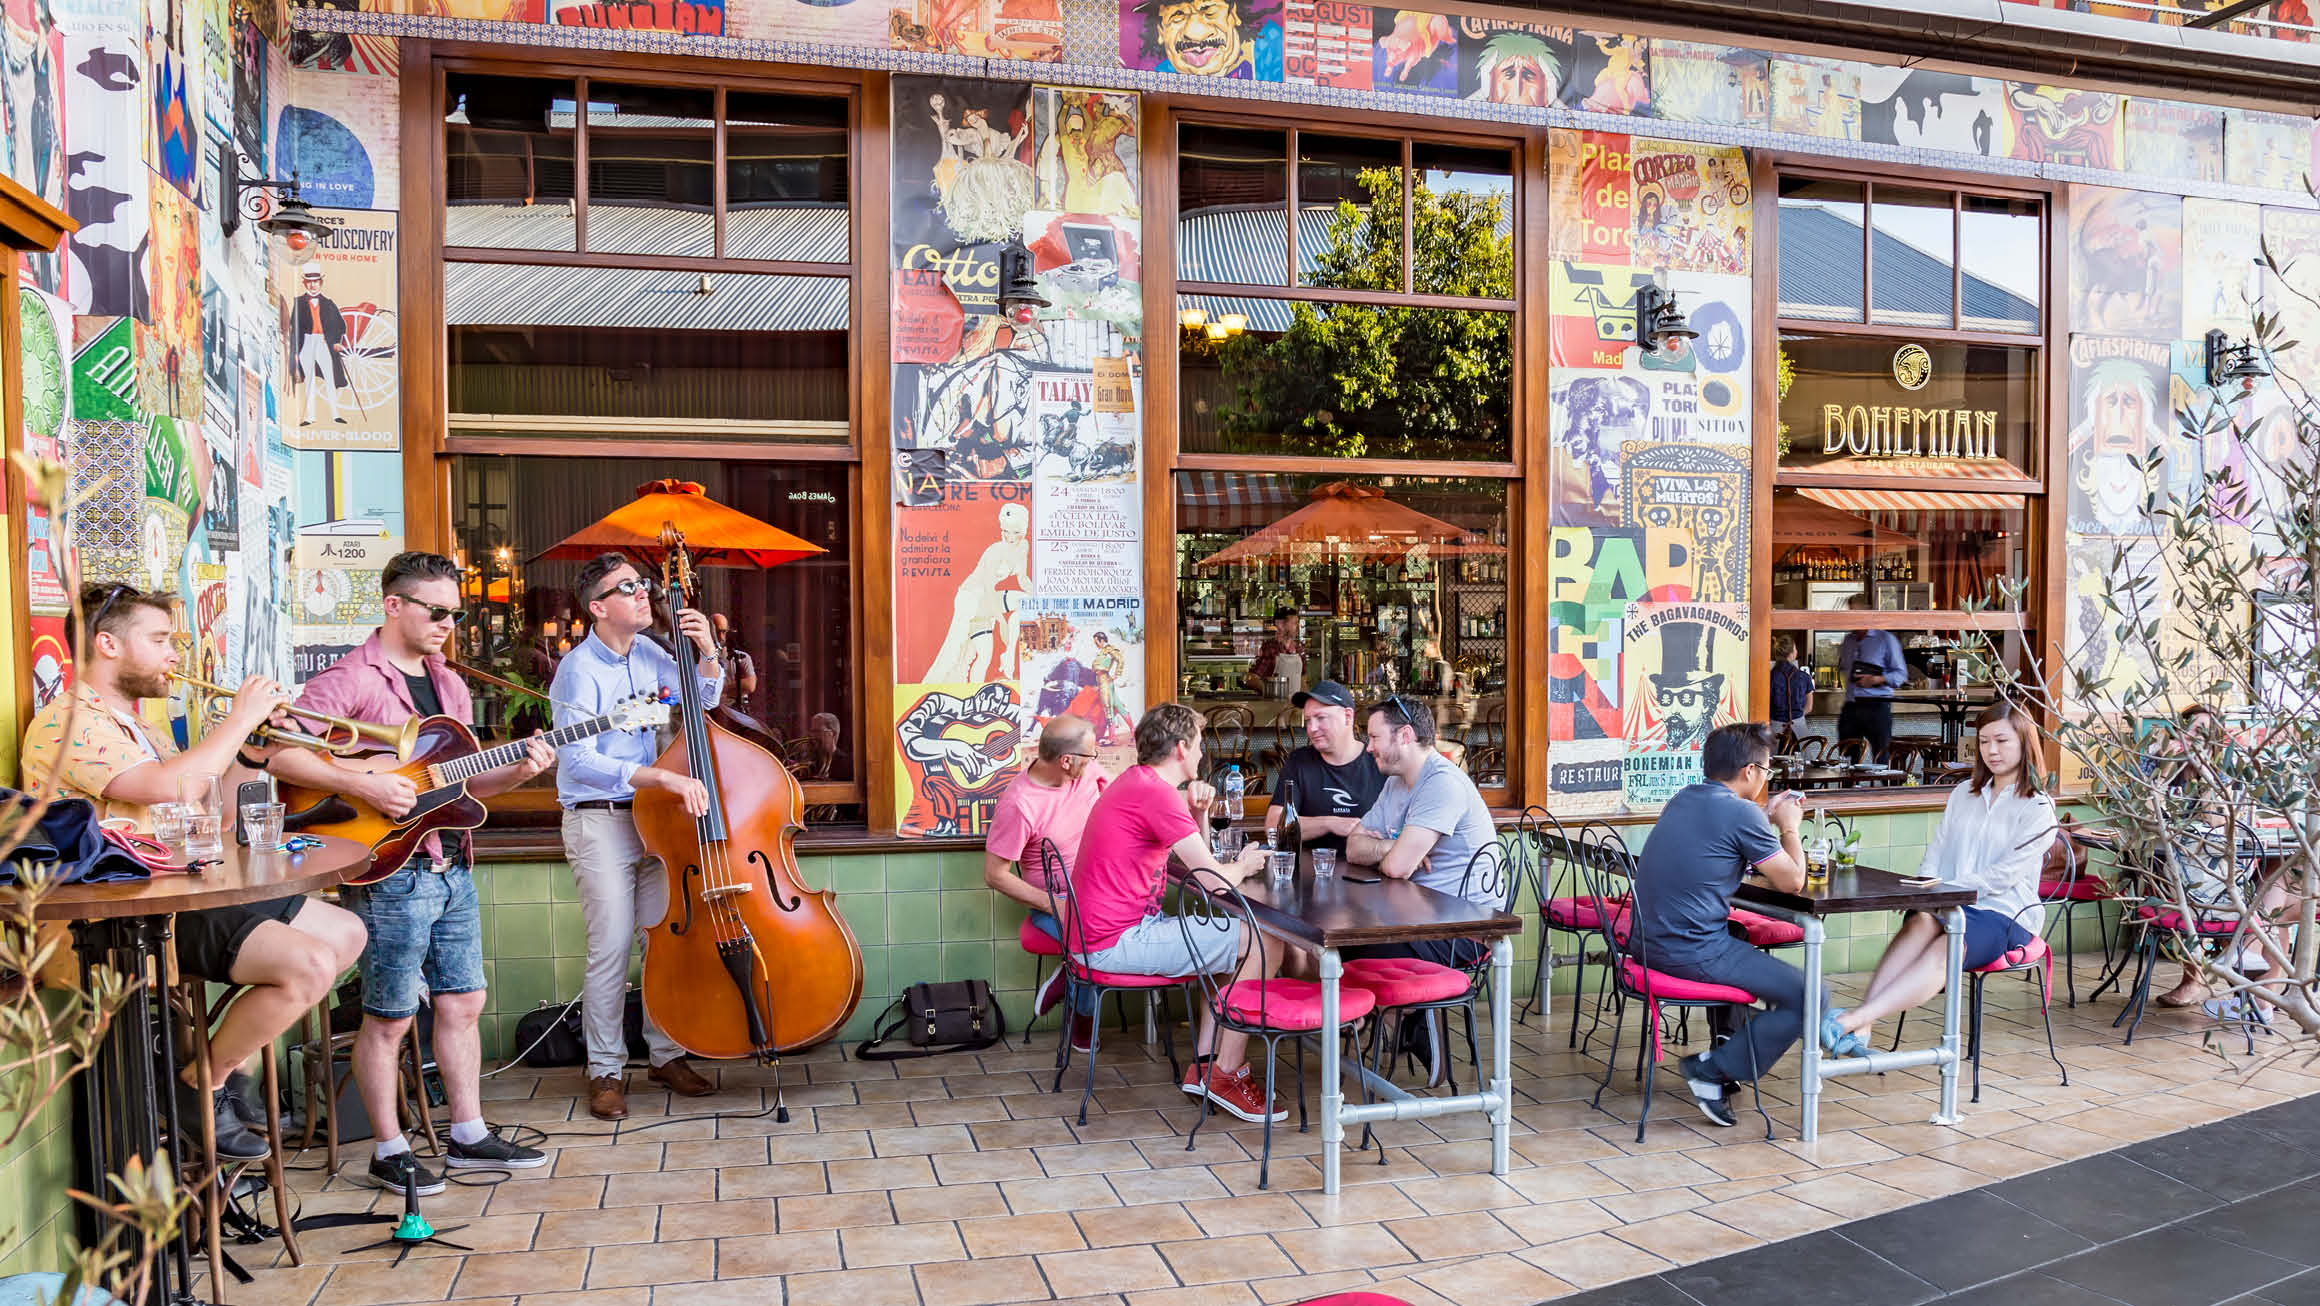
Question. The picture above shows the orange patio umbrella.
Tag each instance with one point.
(1348, 520)
(716, 535)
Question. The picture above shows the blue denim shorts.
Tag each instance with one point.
(426, 936)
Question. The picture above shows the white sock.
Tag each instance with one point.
(391, 1147)
(467, 1133)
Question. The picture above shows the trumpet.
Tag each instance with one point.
(345, 737)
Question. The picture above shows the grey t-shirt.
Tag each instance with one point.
(1706, 839)
(1446, 802)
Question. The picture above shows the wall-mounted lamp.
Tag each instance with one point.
(1659, 324)
(2227, 362)
(248, 195)
(1018, 285)
(1192, 319)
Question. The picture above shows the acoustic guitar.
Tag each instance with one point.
(444, 758)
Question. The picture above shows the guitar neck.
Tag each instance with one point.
(508, 754)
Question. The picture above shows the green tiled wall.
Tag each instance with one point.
(926, 916)
(35, 1215)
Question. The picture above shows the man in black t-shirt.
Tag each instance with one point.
(1336, 779)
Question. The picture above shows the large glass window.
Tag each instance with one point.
(791, 627)
(1909, 474)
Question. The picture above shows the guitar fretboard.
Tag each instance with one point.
(492, 759)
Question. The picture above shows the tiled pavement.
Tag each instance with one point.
(959, 1180)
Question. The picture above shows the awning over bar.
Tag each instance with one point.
(1233, 501)
(1908, 510)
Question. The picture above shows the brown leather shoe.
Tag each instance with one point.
(605, 1100)
(680, 1078)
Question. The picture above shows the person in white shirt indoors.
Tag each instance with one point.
(1992, 838)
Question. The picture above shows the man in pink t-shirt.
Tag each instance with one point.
(1048, 803)
(1116, 886)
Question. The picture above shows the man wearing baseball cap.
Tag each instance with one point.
(1336, 779)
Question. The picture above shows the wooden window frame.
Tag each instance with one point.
(1527, 507)
(430, 444)
(2044, 503)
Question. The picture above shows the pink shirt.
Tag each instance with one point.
(1116, 880)
(364, 685)
(1029, 811)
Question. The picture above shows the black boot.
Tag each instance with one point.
(235, 1142)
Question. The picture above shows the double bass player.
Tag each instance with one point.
(622, 887)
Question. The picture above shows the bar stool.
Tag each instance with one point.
(320, 1058)
(187, 995)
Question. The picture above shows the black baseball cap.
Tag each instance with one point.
(1284, 611)
(1328, 691)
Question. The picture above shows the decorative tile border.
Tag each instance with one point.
(1131, 79)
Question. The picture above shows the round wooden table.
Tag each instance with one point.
(126, 926)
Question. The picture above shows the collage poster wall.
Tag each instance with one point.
(1018, 538)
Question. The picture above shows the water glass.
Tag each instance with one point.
(1324, 863)
(169, 826)
(262, 826)
(1281, 868)
(204, 817)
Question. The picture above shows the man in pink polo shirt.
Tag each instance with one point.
(1154, 810)
(426, 933)
(1048, 802)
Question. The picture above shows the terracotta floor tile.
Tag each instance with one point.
(901, 1244)
(789, 1180)
(956, 1202)
(1633, 1208)
(981, 1282)
(1853, 1196)
(1363, 1205)
(1659, 1170)
(1071, 1193)
(1460, 1193)
(659, 1189)
(1925, 1178)
(1262, 1213)
(599, 1297)
(1222, 1260)
(886, 1283)
(922, 1140)
(1029, 1235)
(834, 1211)
(1207, 1294)
(729, 1292)
(1498, 1278)
(517, 1197)
(834, 1146)
(714, 1154)
(369, 1283)
(1592, 1259)
(605, 1160)
(777, 1254)
(1090, 1158)
(1554, 1221)
(1749, 1160)
(1117, 1269)
(1442, 1237)
(1305, 1287)
(1769, 1216)
(510, 1273)
(959, 1111)
(688, 1261)
(1119, 1226)
(1139, 1187)
(1343, 1247)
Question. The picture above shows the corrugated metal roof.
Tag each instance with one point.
(1820, 266)
(490, 294)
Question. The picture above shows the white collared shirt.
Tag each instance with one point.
(1994, 842)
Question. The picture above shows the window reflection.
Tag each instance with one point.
(1913, 260)
(1471, 193)
(508, 174)
(1232, 189)
(651, 178)
(1822, 274)
(786, 178)
(2003, 253)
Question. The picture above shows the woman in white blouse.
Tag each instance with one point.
(1992, 838)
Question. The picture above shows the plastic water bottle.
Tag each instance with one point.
(1236, 795)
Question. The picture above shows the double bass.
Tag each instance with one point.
(747, 962)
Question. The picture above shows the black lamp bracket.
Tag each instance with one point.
(245, 196)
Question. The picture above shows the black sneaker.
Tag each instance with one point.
(1709, 1091)
(390, 1173)
(235, 1142)
(492, 1152)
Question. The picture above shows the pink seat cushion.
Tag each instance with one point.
(2032, 953)
(1120, 980)
(1037, 942)
(1355, 1299)
(1654, 984)
(1401, 981)
(2083, 889)
(2168, 918)
(1578, 913)
(1766, 931)
(1290, 1003)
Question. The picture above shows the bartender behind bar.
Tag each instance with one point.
(1280, 666)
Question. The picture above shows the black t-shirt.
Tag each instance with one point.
(423, 695)
(1325, 790)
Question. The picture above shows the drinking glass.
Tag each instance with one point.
(1281, 866)
(1324, 863)
(204, 813)
(262, 823)
(169, 826)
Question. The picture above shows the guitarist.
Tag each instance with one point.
(426, 935)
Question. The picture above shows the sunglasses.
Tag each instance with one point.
(633, 586)
(113, 596)
(435, 612)
(1406, 713)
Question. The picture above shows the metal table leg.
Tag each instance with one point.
(1332, 1088)
(1809, 1063)
(1953, 922)
(1501, 1052)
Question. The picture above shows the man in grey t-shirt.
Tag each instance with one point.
(1425, 826)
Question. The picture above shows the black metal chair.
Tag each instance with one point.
(1268, 1009)
(1604, 857)
(1084, 976)
(2035, 958)
(1561, 911)
(2156, 923)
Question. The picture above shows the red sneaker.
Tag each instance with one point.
(1083, 1032)
(1238, 1092)
(1051, 991)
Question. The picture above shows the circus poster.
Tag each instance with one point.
(1685, 672)
(1693, 206)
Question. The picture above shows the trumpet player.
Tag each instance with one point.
(285, 954)
(426, 931)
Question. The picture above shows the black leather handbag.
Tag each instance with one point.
(953, 1016)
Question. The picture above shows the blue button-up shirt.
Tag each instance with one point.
(1880, 647)
(589, 680)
